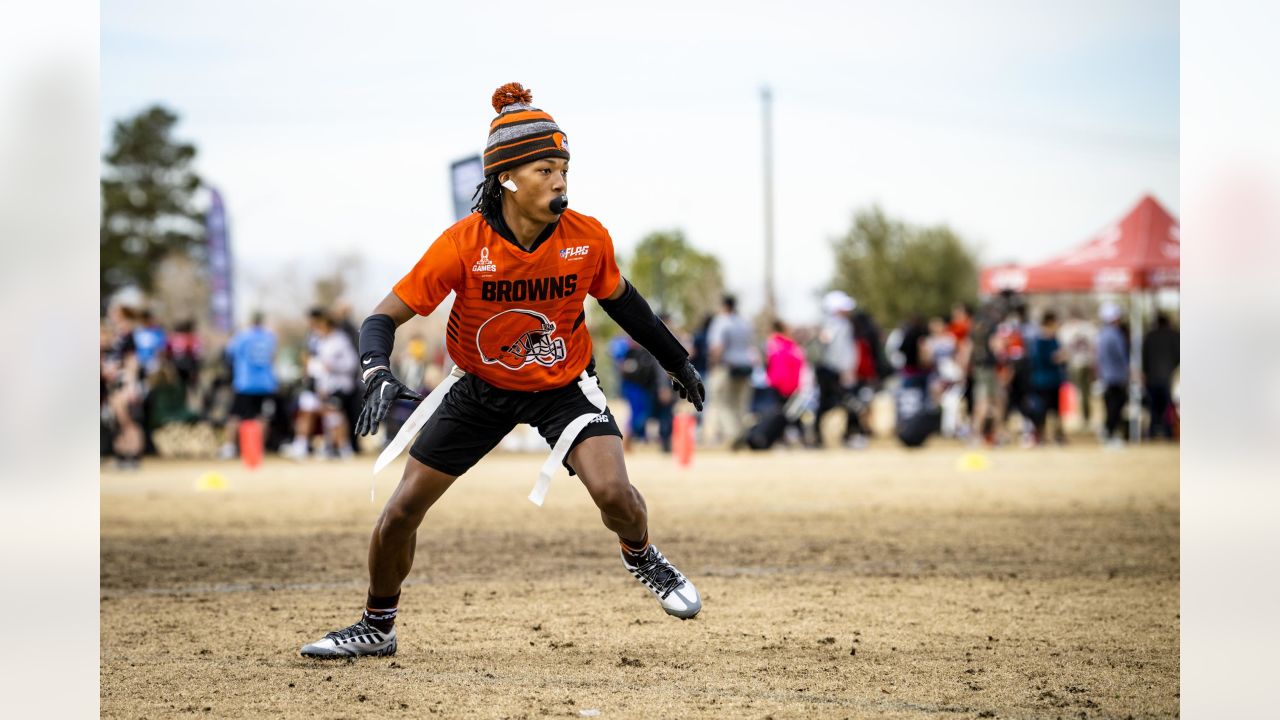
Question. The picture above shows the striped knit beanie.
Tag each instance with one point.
(521, 133)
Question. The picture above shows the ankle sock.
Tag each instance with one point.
(634, 549)
(380, 611)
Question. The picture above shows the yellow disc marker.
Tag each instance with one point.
(972, 462)
(211, 482)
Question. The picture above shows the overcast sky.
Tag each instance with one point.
(329, 127)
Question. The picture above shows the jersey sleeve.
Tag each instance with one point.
(436, 274)
(607, 273)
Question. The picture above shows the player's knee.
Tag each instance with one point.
(620, 500)
(397, 520)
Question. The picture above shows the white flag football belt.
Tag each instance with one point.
(589, 385)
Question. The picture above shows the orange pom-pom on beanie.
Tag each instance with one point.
(510, 93)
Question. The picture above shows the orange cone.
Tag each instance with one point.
(1066, 400)
(682, 439)
(251, 443)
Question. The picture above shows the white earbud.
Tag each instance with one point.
(510, 185)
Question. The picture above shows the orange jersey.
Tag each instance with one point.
(517, 322)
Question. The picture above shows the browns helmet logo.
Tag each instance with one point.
(515, 338)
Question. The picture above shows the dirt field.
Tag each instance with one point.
(843, 584)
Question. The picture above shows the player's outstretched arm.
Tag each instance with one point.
(632, 313)
(381, 388)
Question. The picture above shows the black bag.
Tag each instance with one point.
(768, 431)
(640, 367)
(917, 420)
(740, 371)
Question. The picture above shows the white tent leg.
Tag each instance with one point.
(1136, 303)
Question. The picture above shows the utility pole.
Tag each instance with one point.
(770, 299)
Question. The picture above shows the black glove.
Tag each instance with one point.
(381, 391)
(688, 384)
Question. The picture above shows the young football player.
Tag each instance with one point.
(521, 265)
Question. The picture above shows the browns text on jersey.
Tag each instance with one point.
(534, 289)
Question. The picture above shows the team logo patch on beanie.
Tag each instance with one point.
(520, 133)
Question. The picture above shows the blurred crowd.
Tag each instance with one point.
(994, 375)
(164, 392)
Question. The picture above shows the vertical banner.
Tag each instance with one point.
(466, 174)
(220, 306)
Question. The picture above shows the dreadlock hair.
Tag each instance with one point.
(488, 197)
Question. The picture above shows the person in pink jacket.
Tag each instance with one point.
(784, 361)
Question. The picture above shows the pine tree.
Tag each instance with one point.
(148, 208)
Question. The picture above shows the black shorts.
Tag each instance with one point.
(341, 400)
(474, 416)
(249, 405)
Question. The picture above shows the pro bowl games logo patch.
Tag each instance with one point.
(484, 264)
(515, 338)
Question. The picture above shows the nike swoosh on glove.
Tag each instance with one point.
(688, 384)
(381, 391)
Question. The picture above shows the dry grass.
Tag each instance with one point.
(840, 584)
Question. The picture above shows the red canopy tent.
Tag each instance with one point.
(1139, 252)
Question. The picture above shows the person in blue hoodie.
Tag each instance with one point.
(252, 353)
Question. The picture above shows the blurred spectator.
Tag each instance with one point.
(1027, 329)
(149, 340)
(917, 412)
(1046, 360)
(1160, 358)
(331, 362)
(411, 368)
(914, 348)
(664, 410)
(782, 401)
(309, 404)
(836, 368)
(961, 322)
(942, 344)
(870, 369)
(252, 353)
(1016, 333)
(1011, 366)
(872, 365)
(784, 366)
(184, 351)
(698, 356)
(784, 362)
(947, 378)
(698, 351)
(640, 373)
(343, 322)
(336, 363)
(664, 398)
(121, 383)
(166, 399)
(1079, 338)
(731, 360)
(984, 354)
(1113, 370)
(960, 326)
